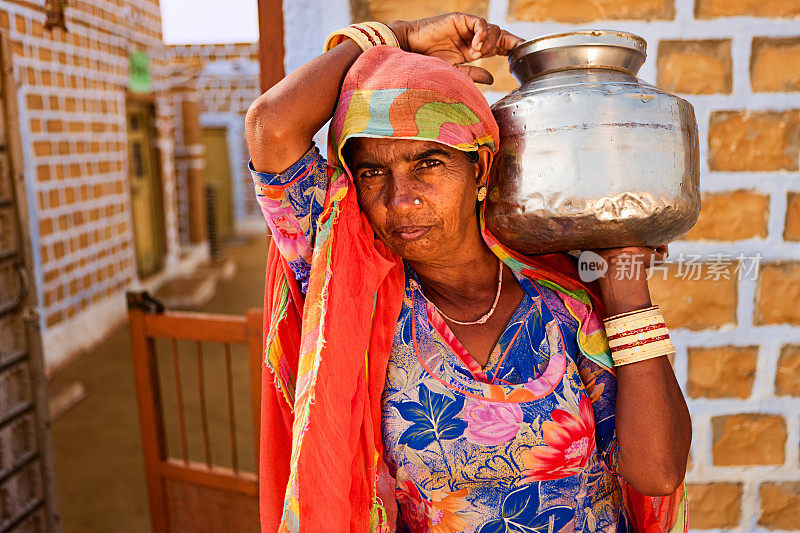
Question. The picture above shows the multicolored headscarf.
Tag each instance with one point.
(328, 353)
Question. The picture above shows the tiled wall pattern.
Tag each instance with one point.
(227, 83)
(736, 324)
(72, 94)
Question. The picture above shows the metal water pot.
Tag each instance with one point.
(590, 156)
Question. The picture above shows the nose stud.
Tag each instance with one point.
(417, 201)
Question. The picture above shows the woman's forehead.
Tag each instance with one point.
(388, 149)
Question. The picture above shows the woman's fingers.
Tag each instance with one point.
(489, 47)
(631, 256)
(488, 42)
(465, 35)
(478, 26)
(478, 74)
(661, 254)
(507, 42)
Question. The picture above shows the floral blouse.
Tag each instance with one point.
(525, 444)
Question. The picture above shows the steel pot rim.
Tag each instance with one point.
(584, 37)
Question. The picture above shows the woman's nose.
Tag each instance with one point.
(404, 195)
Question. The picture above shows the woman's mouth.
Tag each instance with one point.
(410, 233)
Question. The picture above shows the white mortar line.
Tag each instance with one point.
(750, 505)
(767, 364)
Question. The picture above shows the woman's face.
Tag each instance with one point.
(390, 174)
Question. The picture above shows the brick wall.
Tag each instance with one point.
(72, 102)
(227, 83)
(738, 340)
(72, 90)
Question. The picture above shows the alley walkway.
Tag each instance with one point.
(97, 446)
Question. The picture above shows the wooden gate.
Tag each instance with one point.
(197, 479)
(28, 498)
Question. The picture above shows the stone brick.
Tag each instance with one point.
(714, 505)
(43, 173)
(791, 229)
(42, 148)
(34, 101)
(730, 216)
(589, 10)
(45, 226)
(744, 140)
(723, 372)
(37, 28)
(748, 439)
(54, 126)
(780, 505)
(777, 293)
(58, 250)
(54, 318)
(775, 64)
(695, 67)
(695, 299)
(787, 377)
(389, 10)
(753, 8)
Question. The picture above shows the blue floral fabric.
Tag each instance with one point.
(520, 446)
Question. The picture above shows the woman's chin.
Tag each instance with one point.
(415, 250)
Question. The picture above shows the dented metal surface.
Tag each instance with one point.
(591, 157)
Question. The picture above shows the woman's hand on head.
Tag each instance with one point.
(457, 38)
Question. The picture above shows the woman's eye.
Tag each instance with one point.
(371, 173)
(427, 163)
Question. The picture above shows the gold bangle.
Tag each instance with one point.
(645, 336)
(665, 344)
(662, 347)
(365, 34)
(635, 311)
(630, 360)
(623, 328)
(337, 37)
(383, 32)
(639, 315)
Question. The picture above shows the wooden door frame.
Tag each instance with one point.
(29, 302)
(147, 102)
(271, 51)
(234, 126)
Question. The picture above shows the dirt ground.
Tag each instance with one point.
(98, 452)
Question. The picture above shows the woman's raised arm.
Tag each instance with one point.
(281, 122)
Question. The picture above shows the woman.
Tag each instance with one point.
(406, 344)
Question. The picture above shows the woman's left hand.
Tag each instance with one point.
(631, 257)
(457, 38)
(624, 284)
